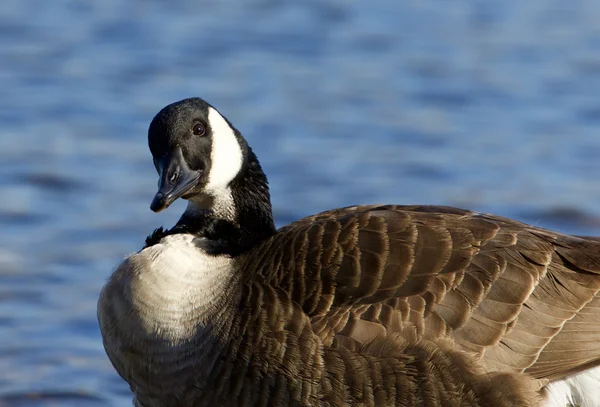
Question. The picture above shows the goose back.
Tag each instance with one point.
(501, 289)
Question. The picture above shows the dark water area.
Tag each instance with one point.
(486, 105)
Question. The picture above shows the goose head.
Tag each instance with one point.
(196, 152)
(201, 157)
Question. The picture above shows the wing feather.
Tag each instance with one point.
(524, 298)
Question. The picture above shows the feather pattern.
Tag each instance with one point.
(510, 292)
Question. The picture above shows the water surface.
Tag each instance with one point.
(488, 105)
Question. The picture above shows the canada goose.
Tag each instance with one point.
(379, 305)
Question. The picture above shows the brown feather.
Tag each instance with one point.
(498, 287)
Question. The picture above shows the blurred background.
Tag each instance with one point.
(487, 105)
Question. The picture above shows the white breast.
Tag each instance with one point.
(581, 390)
(174, 285)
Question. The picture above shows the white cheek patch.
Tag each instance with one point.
(226, 154)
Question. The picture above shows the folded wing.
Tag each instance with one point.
(522, 297)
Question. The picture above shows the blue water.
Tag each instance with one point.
(488, 105)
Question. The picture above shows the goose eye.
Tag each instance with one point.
(198, 129)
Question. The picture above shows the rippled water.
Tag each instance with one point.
(489, 105)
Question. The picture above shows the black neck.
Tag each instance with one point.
(253, 202)
(219, 234)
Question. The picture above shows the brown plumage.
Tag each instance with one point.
(360, 306)
(375, 278)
